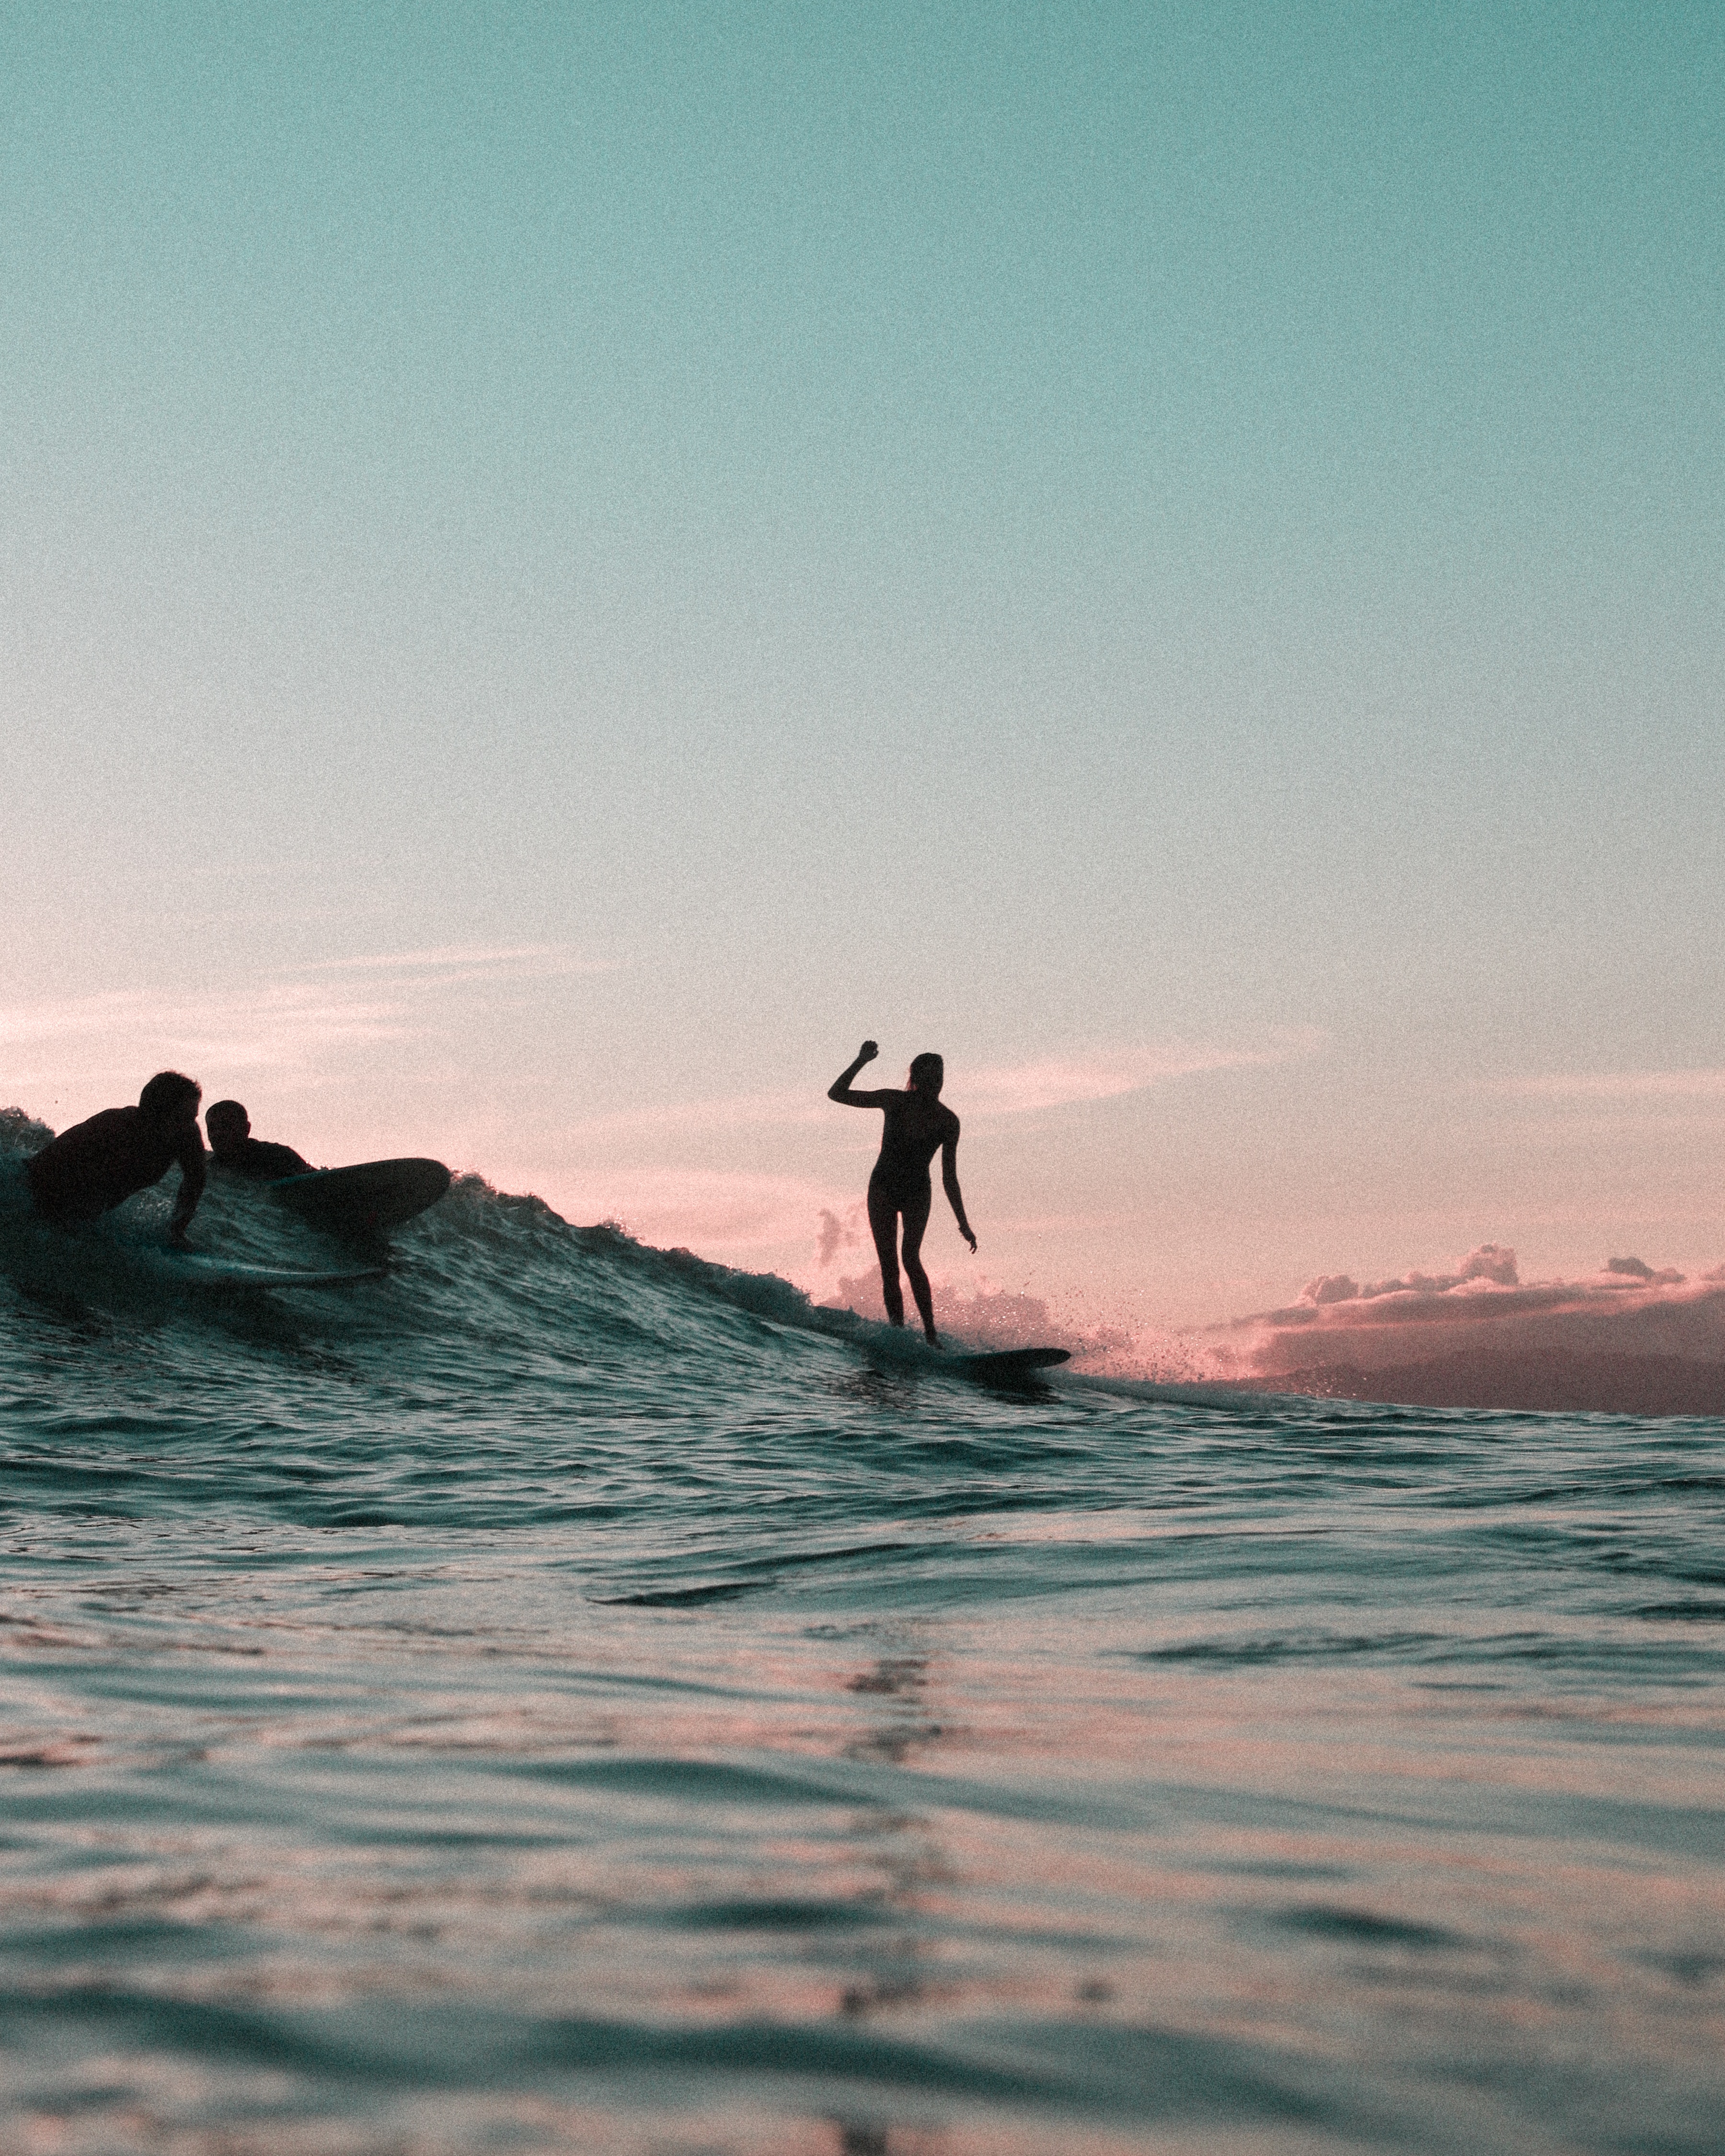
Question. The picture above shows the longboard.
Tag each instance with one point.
(196, 1270)
(366, 1199)
(1010, 1363)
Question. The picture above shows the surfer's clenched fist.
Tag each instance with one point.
(866, 1054)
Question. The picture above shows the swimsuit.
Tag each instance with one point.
(899, 1175)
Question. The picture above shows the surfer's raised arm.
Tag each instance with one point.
(949, 1183)
(839, 1090)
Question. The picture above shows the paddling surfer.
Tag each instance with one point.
(917, 1127)
(99, 1163)
(260, 1160)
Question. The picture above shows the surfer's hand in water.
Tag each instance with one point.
(177, 1235)
(867, 1053)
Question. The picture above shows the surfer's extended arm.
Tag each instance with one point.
(192, 1181)
(949, 1184)
(839, 1090)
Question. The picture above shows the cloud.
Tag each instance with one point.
(1636, 1269)
(709, 1210)
(276, 1022)
(1615, 1085)
(1099, 1074)
(1491, 1262)
(837, 1235)
(1630, 1337)
(314, 1022)
(746, 1111)
(468, 960)
(1105, 1074)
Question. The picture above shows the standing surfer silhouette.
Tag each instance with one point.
(917, 1126)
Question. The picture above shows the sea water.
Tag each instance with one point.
(566, 1695)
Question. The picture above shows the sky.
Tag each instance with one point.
(559, 567)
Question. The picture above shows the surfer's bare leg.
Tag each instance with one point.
(915, 1213)
(883, 1220)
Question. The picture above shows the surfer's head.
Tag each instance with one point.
(170, 1099)
(228, 1126)
(929, 1073)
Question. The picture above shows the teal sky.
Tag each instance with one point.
(1055, 533)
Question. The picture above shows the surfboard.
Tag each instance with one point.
(196, 1270)
(365, 1199)
(1007, 1364)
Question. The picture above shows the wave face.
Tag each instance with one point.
(567, 1695)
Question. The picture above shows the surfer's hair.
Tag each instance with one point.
(226, 1112)
(165, 1089)
(928, 1072)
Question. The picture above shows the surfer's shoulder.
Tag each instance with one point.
(107, 1124)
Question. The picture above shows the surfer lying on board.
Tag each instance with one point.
(99, 1164)
(232, 1143)
(917, 1125)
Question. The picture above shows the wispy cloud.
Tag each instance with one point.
(205, 1020)
(710, 1210)
(309, 1020)
(537, 959)
(1105, 1074)
(738, 1111)
(1100, 1074)
(112, 1042)
(1615, 1085)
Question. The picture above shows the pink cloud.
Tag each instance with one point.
(1616, 1085)
(1491, 1262)
(469, 961)
(1635, 1269)
(1630, 1337)
(278, 1024)
(313, 1022)
(1095, 1073)
(729, 1215)
(1105, 1074)
(837, 1235)
(741, 1111)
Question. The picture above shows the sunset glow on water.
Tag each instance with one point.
(626, 1702)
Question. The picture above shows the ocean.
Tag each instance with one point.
(567, 1695)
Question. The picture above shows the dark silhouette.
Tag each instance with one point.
(257, 1159)
(99, 1164)
(916, 1126)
